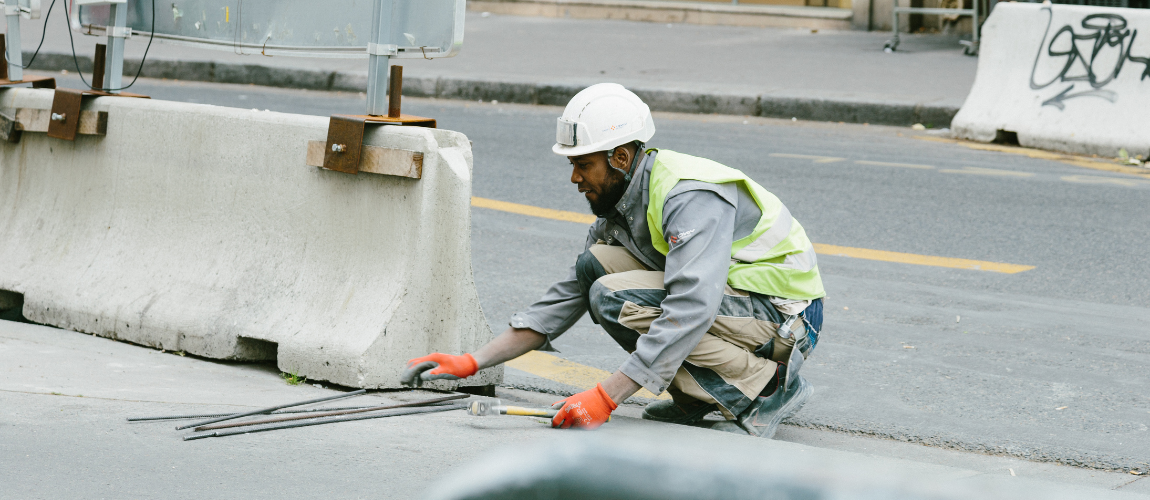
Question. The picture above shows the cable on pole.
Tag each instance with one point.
(76, 60)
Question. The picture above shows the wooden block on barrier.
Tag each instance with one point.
(375, 160)
(37, 120)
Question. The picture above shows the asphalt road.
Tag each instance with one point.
(1049, 364)
(64, 397)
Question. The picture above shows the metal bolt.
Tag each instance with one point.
(338, 148)
(58, 117)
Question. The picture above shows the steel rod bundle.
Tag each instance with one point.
(333, 413)
(213, 415)
(306, 417)
(320, 421)
(273, 408)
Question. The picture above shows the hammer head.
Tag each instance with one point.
(484, 407)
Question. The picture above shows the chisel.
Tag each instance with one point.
(488, 407)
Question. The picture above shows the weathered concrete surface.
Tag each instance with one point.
(199, 228)
(1063, 77)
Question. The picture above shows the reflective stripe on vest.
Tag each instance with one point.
(775, 259)
(768, 240)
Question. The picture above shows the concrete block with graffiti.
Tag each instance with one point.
(1062, 77)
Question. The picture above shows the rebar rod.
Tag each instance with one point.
(212, 415)
(331, 413)
(273, 408)
(332, 420)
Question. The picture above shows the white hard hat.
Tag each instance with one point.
(601, 117)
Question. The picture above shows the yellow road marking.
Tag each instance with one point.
(1093, 179)
(816, 159)
(560, 370)
(1077, 161)
(585, 377)
(922, 260)
(858, 253)
(545, 213)
(889, 164)
(988, 171)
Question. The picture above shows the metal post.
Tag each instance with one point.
(975, 25)
(894, 25)
(379, 51)
(12, 47)
(395, 93)
(114, 56)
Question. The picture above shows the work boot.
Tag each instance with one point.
(771, 407)
(762, 419)
(681, 409)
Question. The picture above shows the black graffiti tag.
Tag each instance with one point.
(1110, 42)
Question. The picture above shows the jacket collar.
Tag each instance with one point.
(635, 196)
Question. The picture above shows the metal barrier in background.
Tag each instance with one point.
(971, 47)
(336, 28)
(377, 29)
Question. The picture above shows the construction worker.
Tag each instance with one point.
(696, 270)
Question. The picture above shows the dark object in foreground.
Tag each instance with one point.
(248, 430)
(273, 408)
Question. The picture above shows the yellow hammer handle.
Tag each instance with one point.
(529, 412)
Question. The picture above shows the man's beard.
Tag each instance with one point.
(610, 196)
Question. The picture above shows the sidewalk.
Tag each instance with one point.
(775, 72)
(64, 397)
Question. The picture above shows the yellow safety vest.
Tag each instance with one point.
(775, 259)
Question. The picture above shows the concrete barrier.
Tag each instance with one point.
(199, 228)
(1062, 77)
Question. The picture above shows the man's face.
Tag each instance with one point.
(602, 186)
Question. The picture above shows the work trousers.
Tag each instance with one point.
(624, 297)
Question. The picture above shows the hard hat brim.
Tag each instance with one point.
(641, 135)
(562, 150)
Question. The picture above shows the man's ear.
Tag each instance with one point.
(622, 158)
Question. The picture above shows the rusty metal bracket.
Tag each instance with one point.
(344, 149)
(38, 82)
(64, 120)
(344, 144)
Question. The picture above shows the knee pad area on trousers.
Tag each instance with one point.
(597, 301)
(587, 271)
(604, 307)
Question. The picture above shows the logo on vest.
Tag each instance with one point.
(675, 239)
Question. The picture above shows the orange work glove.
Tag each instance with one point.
(441, 366)
(588, 409)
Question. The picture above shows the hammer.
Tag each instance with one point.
(487, 407)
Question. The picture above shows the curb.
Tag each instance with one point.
(767, 105)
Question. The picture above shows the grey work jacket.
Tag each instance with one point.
(707, 218)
